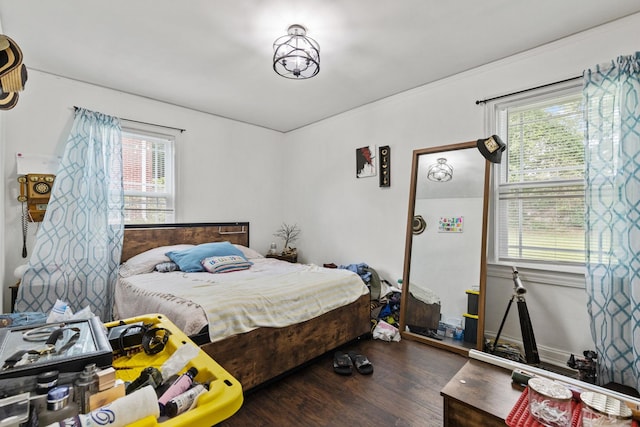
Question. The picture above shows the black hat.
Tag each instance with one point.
(10, 56)
(13, 73)
(419, 224)
(8, 100)
(14, 80)
(492, 148)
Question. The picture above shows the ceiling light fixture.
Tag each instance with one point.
(441, 171)
(296, 56)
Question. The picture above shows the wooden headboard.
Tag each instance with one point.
(140, 238)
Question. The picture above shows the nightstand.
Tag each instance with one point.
(288, 257)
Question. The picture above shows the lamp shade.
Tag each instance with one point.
(296, 56)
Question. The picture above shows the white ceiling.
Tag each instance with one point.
(215, 56)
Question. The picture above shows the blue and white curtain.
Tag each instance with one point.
(612, 111)
(79, 243)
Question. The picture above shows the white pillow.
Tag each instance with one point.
(225, 264)
(146, 262)
(248, 252)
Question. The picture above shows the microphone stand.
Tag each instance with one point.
(526, 328)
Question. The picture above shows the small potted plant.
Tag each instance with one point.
(288, 233)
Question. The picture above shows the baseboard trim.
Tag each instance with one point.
(550, 355)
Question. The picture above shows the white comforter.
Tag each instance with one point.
(271, 293)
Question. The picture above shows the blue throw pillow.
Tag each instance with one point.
(190, 260)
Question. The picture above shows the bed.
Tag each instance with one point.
(253, 344)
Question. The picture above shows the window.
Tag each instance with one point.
(147, 177)
(540, 199)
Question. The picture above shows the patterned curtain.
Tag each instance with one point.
(612, 111)
(79, 243)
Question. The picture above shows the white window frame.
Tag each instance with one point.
(492, 115)
(151, 131)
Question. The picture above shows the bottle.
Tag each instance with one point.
(85, 386)
(184, 401)
(46, 381)
(180, 385)
(273, 249)
(178, 360)
(58, 407)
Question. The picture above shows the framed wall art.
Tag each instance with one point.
(450, 224)
(366, 161)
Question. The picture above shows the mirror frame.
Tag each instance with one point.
(409, 243)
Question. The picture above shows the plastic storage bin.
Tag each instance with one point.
(472, 301)
(470, 328)
(223, 399)
(452, 326)
(549, 402)
(601, 410)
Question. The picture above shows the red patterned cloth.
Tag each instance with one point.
(520, 416)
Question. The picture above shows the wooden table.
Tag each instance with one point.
(292, 257)
(480, 394)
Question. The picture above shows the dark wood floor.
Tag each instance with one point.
(404, 390)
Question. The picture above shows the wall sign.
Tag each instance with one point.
(384, 156)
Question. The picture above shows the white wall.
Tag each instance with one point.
(347, 220)
(437, 261)
(228, 171)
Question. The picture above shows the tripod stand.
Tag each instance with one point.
(526, 328)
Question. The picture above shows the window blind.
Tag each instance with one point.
(540, 197)
(147, 177)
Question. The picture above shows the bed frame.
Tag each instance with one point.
(264, 354)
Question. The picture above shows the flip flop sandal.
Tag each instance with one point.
(342, 363)
(361, 363)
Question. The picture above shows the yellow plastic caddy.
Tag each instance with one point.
(223, 399)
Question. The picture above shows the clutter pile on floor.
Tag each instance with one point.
(385, 301)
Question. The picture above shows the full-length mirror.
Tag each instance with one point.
(444, 268)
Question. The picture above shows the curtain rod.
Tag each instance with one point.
(144, 123)
(483, 101)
